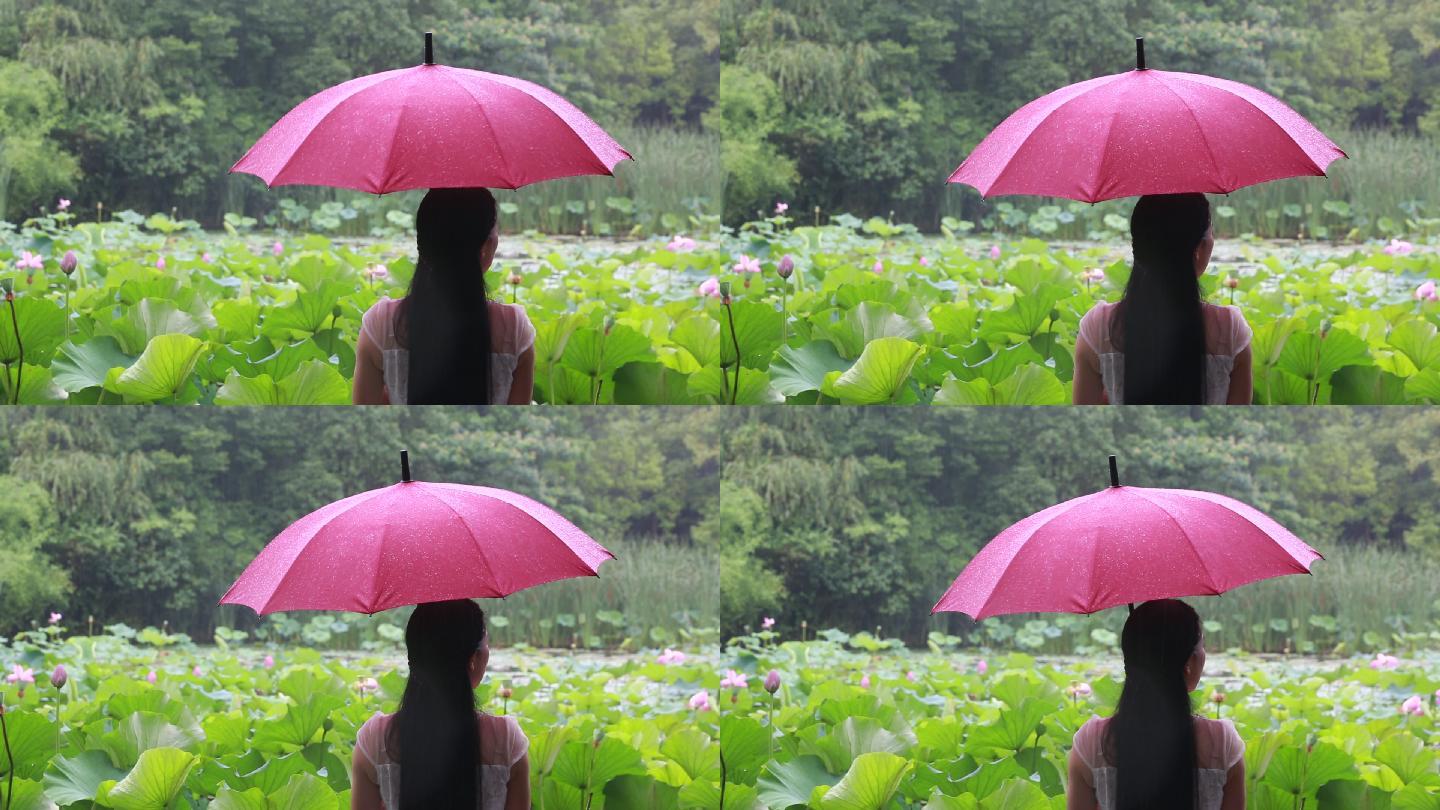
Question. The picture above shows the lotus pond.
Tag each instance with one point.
(855, 728)
(155, 726)
(155, 310)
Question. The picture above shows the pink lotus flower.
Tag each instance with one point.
(207, 258)
(681, 244)
(151, 677)
(54, 617)
(277, 248)
(1426, 292)
(767, 623)
(195, 672)
(1384, 662)
(1413, 705)
(924, 262)
(1398, 247)
(30, 261)
(375, 272)
(1093, 276)
(20, 674)
(1217, 697)
(772, 681)
(747, 264)
(879, 267)
(62, 205)
(781, 208)
(367, 685)
(733, 679)
(160, 263)
(982, 667)
(59, 676)
(710, 287)
(1078, 690)
(69, 262)
(269, 662)
(700, 701)
(994, 251)
(912, 677)
(865, 681)
(671, 657)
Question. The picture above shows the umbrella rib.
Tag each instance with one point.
(1210, 577)
(1094, 189)
(1214, 164)
(571, 127)
(1304, 567)
(294, 153)
(305, 548)
(1010, 162)
(1070, 505)
(489, 125)
(1283, 131)
(489, 569)
(587, 570)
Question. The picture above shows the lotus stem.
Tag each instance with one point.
(19, 375)
(9, 759)
(735, 339)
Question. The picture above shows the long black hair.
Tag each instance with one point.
(1151, 738)
(434, 733)
(1160, 322)
(444, 320)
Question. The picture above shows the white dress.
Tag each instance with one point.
(511, 334)
(1226, 335)
(1217, 748)
(502, 744)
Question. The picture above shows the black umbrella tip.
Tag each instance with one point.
(1114, 472)
(1139, 53)
(429, 47)
(405, 467)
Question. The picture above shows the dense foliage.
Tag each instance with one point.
(855, 726)
(807, 496)
(158, 311)
(867, 107)
(148, 104)
(155, 722)
(147, 516)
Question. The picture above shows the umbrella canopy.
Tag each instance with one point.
(431, 126)
(1146, 132)
(1124, 545)
(415, 542)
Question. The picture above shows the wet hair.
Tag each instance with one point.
(444, 320)
(434, 732)
(1151, 738)
(1160, 322)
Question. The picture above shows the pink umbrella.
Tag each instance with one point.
(414, 542)
(431, 126)
(1124, 545)
(1146, 132)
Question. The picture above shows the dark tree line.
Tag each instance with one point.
(145, 516)
(853, 518)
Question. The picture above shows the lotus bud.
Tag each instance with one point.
(506, 692)
(1231, 282)
(59, 676)
(68, 262)
(514, 279)
(772, 681)
(1217, 697)
(786, 266)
